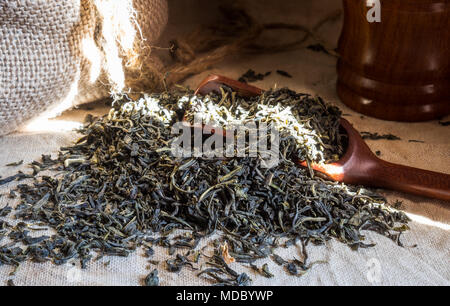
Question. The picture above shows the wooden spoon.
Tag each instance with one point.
(359, 166)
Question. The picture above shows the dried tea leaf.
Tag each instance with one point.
(251, 76)
(226, 255)
(279, 260)
(5, 211)
(284, 73)
(266, 272)
(152, 280)
(376, 136)
(318, 48)
(15, 164)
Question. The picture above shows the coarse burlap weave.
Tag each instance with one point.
(56, 54)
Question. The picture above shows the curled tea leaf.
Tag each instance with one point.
(152, 280)
(226, 255)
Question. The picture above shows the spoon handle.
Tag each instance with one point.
(411, 180)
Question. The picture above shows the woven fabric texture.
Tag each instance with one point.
(315, 73)
(53, 53)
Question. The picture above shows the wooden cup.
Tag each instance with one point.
(397, 69)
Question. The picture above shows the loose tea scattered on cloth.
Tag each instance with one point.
(120, 187)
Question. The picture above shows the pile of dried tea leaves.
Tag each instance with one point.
(119, 187)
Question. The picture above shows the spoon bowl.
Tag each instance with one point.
(358, 166)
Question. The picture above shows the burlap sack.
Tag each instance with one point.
(56, 54)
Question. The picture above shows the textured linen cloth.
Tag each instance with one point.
(315, 73)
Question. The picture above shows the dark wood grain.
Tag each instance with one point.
(398, 69)
(359, 166)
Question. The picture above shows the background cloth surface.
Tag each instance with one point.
(315, 73)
